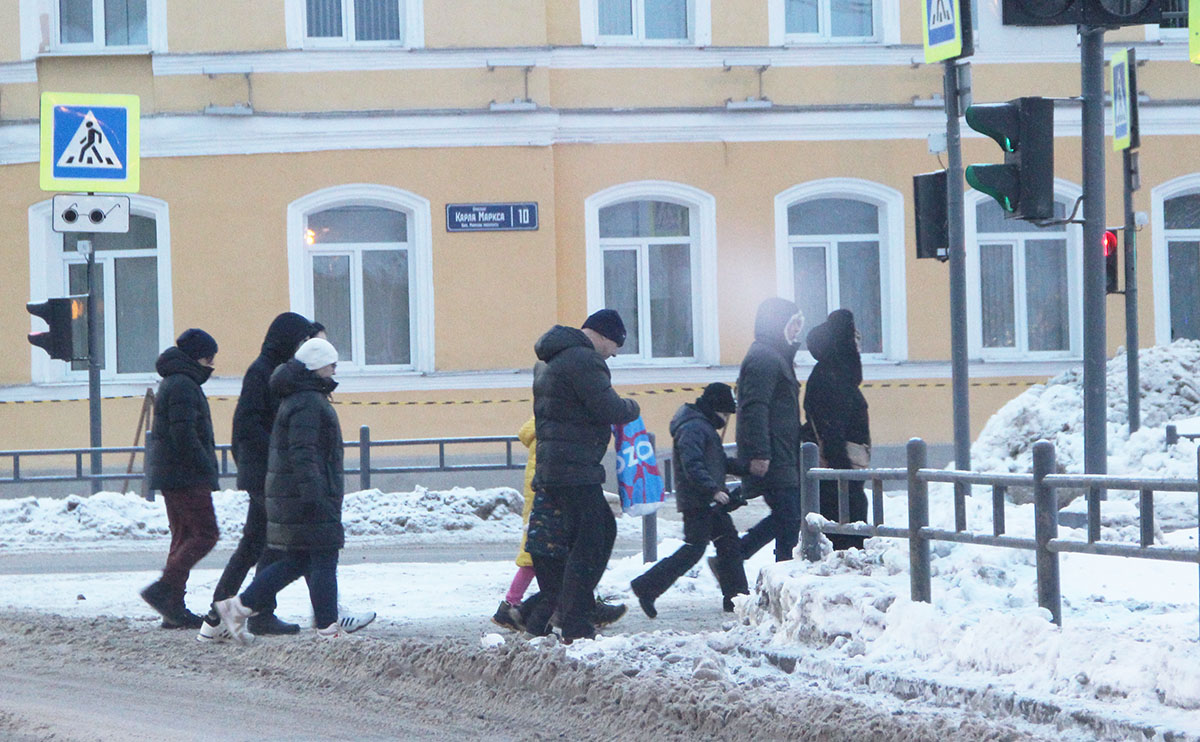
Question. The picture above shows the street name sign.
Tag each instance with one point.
(90, 142)
(492, 217)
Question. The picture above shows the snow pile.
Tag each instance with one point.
(1169, 377)
(112, 520)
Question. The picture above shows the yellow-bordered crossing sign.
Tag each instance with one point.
(90, 142)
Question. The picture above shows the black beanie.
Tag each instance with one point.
(197, 344)
(717, 397)
(608, 323)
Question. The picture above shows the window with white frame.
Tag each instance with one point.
(133, 282)
(841, 20)
(645, 21)
(340, 22)
(1181, 225)
(99, 24)
(359, 263)
(1026, 284)
(835, 246)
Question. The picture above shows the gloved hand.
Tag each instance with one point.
(736, 500)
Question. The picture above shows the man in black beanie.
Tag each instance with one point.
(700, 466)
(575, 407)
(183, 464)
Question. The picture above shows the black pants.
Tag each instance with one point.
(591, 530)
(251, 549)
(537, 609)
(782, 525)
(700, 526)
(858, 512)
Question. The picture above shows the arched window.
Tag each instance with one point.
(133, 281)
(839, 245)
(651, 249)
(359, 263)
(1023, 285)
(1177, 218)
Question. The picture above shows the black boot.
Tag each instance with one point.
(168, 601)
(645, 599)
(268, 624)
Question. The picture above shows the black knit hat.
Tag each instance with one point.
(718, 397)
(197, 344)
(608, 323)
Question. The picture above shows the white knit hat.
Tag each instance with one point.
(316, 353)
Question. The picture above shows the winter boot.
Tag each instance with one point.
(351, 622)
(169, 603)
(645, 599)
(233, 616)
(268, 624)
(607, 613)
(508, 616)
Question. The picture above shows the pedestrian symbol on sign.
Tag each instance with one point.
(89, 147)
(940, 13)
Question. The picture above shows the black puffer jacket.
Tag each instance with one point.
(833, 401)
(304, 473)
(575, 407)
(183, 453)
(256, 406)
(768, 397)
(698, 458)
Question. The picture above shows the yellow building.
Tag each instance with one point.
(687, 158)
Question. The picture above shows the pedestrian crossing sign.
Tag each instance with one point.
(943, 30)
(90, 142)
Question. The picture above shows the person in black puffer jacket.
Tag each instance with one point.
(304, 490)
(252, 421)
(575, 407)
(837, 410)
(701, 495)
(183, 464)
(768, 428)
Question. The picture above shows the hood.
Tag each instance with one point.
(833, 341)
(773, 315)
(559, 338)
(284, 335)
(689, 412)
(292, 377)
(175, 361)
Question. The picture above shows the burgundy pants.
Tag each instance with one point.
(193, 531)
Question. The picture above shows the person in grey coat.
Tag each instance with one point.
(304, 490)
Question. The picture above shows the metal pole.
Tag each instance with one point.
(650, 526)
(810, 502)
(364, 457)
(958, 269)
(920, 581)
(1045, 522)
(1095, 444)
(1133, 385)
(93, 331)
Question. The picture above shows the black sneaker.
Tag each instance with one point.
(607, 613)
(645, 601)
(158, 595)
(182, 618)
(507, 616)
(268, 624)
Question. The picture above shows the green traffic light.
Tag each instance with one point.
(1001, 182)
(1000, 121)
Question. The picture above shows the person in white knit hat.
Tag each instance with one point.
(304, 495)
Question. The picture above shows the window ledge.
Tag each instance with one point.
(125, 51)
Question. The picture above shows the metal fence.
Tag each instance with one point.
(73, 460)
(1046, 543)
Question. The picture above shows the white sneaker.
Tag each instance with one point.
(215, 634)
(233, 618)
(351, 622)
(332, 631)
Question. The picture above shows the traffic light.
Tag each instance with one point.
(1024, 129)
(1085, 12)
(1110, 262)
(932, 219)
(60, 315)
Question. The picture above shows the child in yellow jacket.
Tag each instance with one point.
(508, 614)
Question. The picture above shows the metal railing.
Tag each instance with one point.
(80, 472)
(1046, 543)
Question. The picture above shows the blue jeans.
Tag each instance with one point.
(782, 525)
(319, 570)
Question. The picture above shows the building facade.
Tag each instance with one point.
(687, 159)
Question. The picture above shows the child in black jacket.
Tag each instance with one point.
(700, 466)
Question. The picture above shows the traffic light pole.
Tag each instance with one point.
(1095, 433)
(1133, 385)
(958, 269)
(93, 331)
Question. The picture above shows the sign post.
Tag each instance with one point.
(91, 143)
(1126, 139)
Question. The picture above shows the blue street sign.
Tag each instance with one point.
(90, 142)
(491, 217)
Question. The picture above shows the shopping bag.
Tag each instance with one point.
(639, 480)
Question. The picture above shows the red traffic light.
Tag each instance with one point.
(1110, 243)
